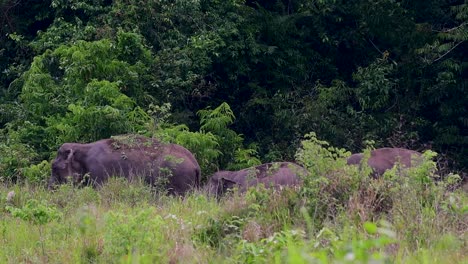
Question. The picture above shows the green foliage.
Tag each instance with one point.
(129, 233)
(215, 146)
(319, 157)
(38, 173)
(15, 157)
(374, 89)
(204, 145)
(84, 92)
(283, 68)
(362, 248)
(103, 111)
(216, 121)
(123, 222)
(261, 251)
(83, 70)
(245, 158)
(37, 212)
(330, 183)
(62, 32)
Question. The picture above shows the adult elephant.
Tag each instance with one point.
(383, 159)
(129, 156)
(271, 175)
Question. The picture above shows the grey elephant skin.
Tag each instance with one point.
(383, 159)
(271, 175)
(129, 156)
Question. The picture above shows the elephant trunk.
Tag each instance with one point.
(51, 183)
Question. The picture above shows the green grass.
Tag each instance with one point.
(338, 215)
(122, 223)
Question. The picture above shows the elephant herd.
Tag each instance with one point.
(138, 157)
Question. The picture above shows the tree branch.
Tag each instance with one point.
(383, 54)
(443, 55)
(451, 29)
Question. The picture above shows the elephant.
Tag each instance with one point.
(383, 159)
(129, 156)
(275, 174)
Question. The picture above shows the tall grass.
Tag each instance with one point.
(339, 215)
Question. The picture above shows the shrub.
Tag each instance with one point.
(15, 156)
(330, 183)
(38, 173)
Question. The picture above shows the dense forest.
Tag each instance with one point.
(385, 73)
(238, 83)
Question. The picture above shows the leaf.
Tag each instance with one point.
(370, 227)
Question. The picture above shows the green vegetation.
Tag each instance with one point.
(392, 72)
(238, 83)
(338, 215)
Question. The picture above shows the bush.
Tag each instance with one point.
(15, 156)
(38, 173)
(330, 183)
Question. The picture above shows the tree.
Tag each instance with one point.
(84, 92)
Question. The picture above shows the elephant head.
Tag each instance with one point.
(66, 165)
(219, 183)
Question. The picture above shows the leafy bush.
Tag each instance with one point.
(233, 154)
(38, 173)
(268, 249)
(103, 111)
(37, 212)
(15, 156)
(334, 189)
(330, 183)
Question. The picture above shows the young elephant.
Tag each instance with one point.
(274, 174)
(383, 159)
(128, 156)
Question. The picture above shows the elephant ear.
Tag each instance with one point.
(70, 155)
(74, 162)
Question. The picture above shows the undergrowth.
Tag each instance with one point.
(339, 215)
